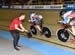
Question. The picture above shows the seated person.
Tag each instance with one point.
(36, 20)
(69, 18)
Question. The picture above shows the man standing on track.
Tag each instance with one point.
(16, 27)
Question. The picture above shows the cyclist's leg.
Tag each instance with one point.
(38, 27)
(73, 30)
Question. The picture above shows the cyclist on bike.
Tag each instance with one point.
(69, 18)
(36, 20)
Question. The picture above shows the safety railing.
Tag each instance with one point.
(45, 3)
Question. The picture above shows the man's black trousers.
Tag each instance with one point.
(16, 35)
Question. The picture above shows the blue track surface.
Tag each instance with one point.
(39, 46)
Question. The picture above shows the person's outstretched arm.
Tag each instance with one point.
(21, 26)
